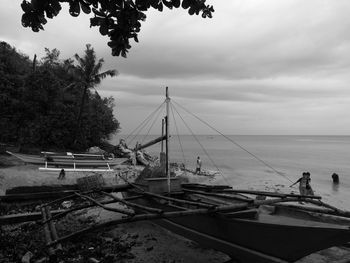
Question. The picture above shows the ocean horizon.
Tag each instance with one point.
(265, 160)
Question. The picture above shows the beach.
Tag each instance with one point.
(150, 243)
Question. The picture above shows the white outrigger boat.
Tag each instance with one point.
(70, 161)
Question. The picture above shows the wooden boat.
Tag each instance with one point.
(71, 160)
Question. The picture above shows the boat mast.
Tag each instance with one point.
(167, 165)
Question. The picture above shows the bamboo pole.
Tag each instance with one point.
(177, 200)
(270, 194)
(146, 208)
(141, 191)
(62, 214)
(47, 232)
(159, 139)
(240, 198)
(118, 210)
(173, 214)
(52, 228)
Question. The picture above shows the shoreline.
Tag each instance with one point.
(153, 243)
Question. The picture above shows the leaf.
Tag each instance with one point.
(160, 7)
(26, 7)
(85, 7)
(104, 29)
(185, 4)
(74, 8)
(168, 4)
(176, 3)
(136, 38)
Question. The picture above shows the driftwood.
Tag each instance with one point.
(174, 214)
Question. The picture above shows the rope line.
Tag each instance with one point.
(178, 135)
(204, 150)
(238, 145)
(143, 123)
(156, 118)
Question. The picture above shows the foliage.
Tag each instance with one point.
(88, 75)
(120, 20)
(40, 107)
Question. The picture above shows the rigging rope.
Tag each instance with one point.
(178, 136)
(143, 123)
(204, 150)
(156, 118)
(238, 145)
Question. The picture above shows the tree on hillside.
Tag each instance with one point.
(89, 75)
(118, 19)
(39, 109)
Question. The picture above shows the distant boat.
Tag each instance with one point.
(71, 161)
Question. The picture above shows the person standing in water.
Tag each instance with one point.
(335, 178)
(304, 184)
(198, 165)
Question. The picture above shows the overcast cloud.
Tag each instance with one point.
(257, 67)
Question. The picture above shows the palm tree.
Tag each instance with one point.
(88, 75)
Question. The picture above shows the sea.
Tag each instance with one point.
(264, 162)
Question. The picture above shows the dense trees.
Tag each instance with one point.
(39, 106)
(120, 20)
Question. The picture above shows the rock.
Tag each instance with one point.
(149, 248)
(134, 235)
(128, 255)
(27, 256)
(108, 239)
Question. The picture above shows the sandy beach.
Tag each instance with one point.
(150, 243)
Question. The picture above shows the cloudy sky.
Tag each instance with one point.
(256, 67)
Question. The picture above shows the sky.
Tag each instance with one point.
(257, 67)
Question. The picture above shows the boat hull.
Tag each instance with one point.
(269, 239)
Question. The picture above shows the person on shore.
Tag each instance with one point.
(198, 165)
(304, 184)
(62, 175)
(335, 178)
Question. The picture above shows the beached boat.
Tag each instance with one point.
(69, 161)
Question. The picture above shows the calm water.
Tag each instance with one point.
(290, 155)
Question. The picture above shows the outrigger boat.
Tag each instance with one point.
(69, 161)
(249, 226)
